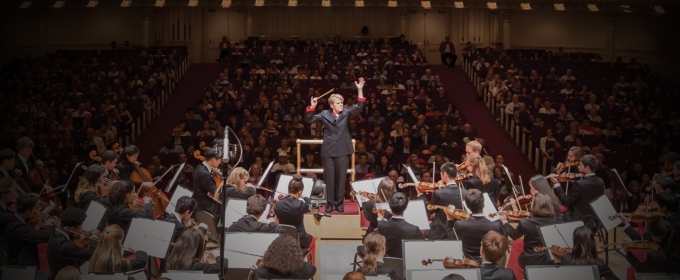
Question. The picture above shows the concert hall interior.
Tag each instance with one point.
(339, 139)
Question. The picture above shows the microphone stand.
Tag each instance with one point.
(223, 194)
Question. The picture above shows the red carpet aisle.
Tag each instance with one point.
(188, 92)
(464, 96)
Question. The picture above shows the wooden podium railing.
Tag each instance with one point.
(300, 170)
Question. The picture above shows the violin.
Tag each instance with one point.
(463, 177)
(80, 237)
(364, 194)
(557, 251)
(642, 216)
(379, 211)
(512, 215)
(452, 263)
(634, 245)
(451, 211)
(569, 177)
(568, 165)
(462, 166)
(425, 187)
(219, 181)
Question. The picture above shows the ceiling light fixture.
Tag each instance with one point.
(25, 4)
(559, 6)
(392, 4)
(160, 3)
(59, 4)
(658, 9)
(426, 5)
(359, 3)
(593, 8)
(492, 5)
(459, 4)
(326, 3)
(525, 6)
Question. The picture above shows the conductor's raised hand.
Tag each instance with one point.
(360, 83)
(313, 102)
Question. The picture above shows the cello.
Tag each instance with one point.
(39, 174)
(160, 199)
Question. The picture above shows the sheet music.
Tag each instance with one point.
(264, 175)
(18, 273)
(285, 179)
(415, 251)
(179, 192)
(95, 212)
(561, 235)
(567, 272)
(414, 214)
(368, 185)
(250, 243)
(489, 208)
(168, 187)
(604, 209)
(411, 174)
(466, 273)
(150, 236)
(236, 209)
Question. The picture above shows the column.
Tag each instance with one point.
(145, 28)
(506, 28)
(611, 26)
(249, 23)
(403, 22)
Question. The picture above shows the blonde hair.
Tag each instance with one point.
(494, 246)
(373, 243)
(68, 273)
(83, 187)
(235, 177)
(474, 146)
(479, 168)
(109, 253)
(386, 190)
(335, 97)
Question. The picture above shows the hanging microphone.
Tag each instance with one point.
(225, 146)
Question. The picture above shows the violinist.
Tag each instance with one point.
(539, 184)
(121, 195)
(570, 166)
(481, 177)
(581, 193)
(585, 253)
(61, 250)
(204, 185)
(373, 264)
(396, 228)
(25, 165)
(237, 184)
(386, 190)
(109, 162)
(283, 260)
(668, 204)
(6, 216)
(493, 249)
(127, 163)
(7, 163)
(291, 210)
(452, 194)
(184, 209)
(250, 223)
(22, 241)
(108, 256)
(542, 214)
(188, 253)
(88, 186)
(666, 259)
(471, 231)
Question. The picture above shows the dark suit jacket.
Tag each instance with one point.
(367, 208)
(602, 267)
(673, 219)
(450, 195)
(6, 217)
(336, 139)
(214, 268)
(62, 252)
(384, 270)
(471, 232)
(22, 242)
(581, 193)
(491, 271)
(137, 263)
(656, 261)
(125, 170)
(122, 215)
(179, 227)
(232, 191)
(204, 184)
(35, 187)
(249, 224)
(305, 272)
(492, 187)
(290, 211)
(88, 196)
(528, 227)
(395, 230)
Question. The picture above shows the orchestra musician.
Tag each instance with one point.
(667, 258)
(68, 273)
(396, 228)
(386, 189)
(481, 178)
(539, 184)
(668, 204)
(88, 185)
(189, 252)
(237, 184)
(108, 256)
(255, 208)
(581, 193)
(184, 209)
(22, 241)
(585, 253)
(25, 165)
(121, 195)
(472, 230)
(127, 163)
(337, 143)
(574, 154)
(61, 250)
(542, 214)
(109, 162)
(493, 249)
(7, 168)
(283, 260)
(6, 216)
(291, 210)
(204, 185)
(373, 264)
(452, 194)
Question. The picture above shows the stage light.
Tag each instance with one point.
(392, 4)
(593, 8)
(459, 4)
(559, 6)
(525, 6)
(492, 5)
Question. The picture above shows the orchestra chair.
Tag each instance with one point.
(208, 219)
(361, 253)
(292, 232)
(395, 263)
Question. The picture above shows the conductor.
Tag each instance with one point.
(337, 143)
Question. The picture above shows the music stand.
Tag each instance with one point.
(621, 194)
(366, 185)
(18, 272)
(95, 213)
(264, 175)
(561, 235)
(566, 272)
(236, 209)
(414, 214)
(285, 179)
(150, 236)
(179, 192)
(605, 212)
(168, 187)
(415, 251)
(466, 273)
(243, 250)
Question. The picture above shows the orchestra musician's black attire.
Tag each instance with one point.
(529, 228)
(179, 227)
(62, 252)
(24, 170)
(372, 218)
(125, 171)
(122, 215)
(395, 230)
(250, 224)
(305, 272)
(22, 242)
(291, 211)
(449, 195)
(605, 271)
(581, 193)
(6, 217)
(232, 191)
(204, 184)
(673, 219)
(492, 188)
(337, 145)
(384, 270)
(491, 271)
(87, 196)
(471, 232)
